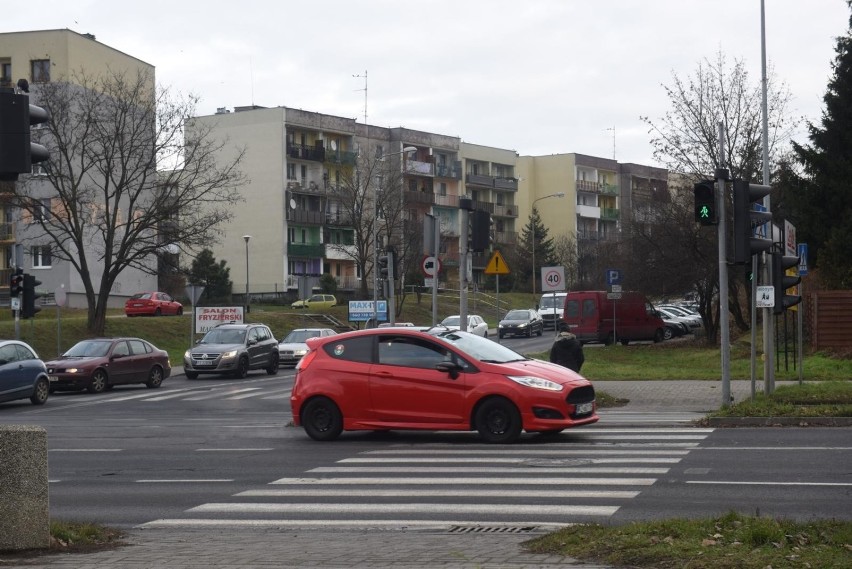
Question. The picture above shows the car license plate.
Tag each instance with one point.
(584, 408)
(204, 363)
(52, 378)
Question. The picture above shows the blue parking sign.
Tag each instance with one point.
(613, 276)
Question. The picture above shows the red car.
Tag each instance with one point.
(405, 378)
(152, 304)
(101, 363)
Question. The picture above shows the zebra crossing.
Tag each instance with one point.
(224, 393)
(585, 475)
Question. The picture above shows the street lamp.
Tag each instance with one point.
(248, 302)
(405, 150)
(556, 195)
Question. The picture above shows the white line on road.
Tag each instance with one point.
(232, 449)
(184, 480)
(750, 483)
(85, 450)
(260, 394)
(502, 460)
(221, 393)
(361, 524)
(478, 470)
(603, 494)
(500, 509)
(482, 481)
(528, 452)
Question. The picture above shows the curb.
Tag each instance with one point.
(779, 421)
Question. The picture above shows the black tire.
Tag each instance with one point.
(658, 336)
(668, 333)
(180, 311)
(155, 378)
(99, 382)
(498, 421)
(273, 367)
(41, 392)
(158, 312)
(610, 339)
(529, 332)
(322, 419)
(190, 374)
(242, 368)
(624, 342)
(501, 335)
(540, 332)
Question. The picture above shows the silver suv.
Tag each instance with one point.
(233, 349)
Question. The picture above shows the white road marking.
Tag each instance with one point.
(500, 509)
(479, 470)
(422, 524)
(183, 480)
(502, 460)
(530, 452)
(751, 483)
(221, 393)
(602, 494)
(526, 481)
(85, 450)
(232, 449)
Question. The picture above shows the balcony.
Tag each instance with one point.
(343, 157)
(306, 152)
(419, 168)
(506, 184)
(479, 180)
(419, 197)
(505, 210)
(609, 189)
(305, 186)
(589, 211)
(340, 251)
(609, 213)
(305, 216)
(506, 237)
(339, 219)
(448, 170)
(7, 232)
(306, 250)
(447, 201)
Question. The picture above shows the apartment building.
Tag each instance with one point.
(44, 57)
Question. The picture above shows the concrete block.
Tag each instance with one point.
(24, 494)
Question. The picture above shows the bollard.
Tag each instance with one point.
(24, 500)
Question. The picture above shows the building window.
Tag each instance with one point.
(40, 70)
(41, 256)
(6, 72)
(442, 188)
(291, 171)
(41, 210)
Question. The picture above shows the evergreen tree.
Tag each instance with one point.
(820, 204)
(216, 277)
(538, 245)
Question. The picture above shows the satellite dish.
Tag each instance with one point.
(333, 145)
(292, 203)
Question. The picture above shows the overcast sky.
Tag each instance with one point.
(535, 76)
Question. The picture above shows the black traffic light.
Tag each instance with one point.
(480, 237)
(17, 152)
(16, 283)
(706, 212)
(746, 220)
(781, 281)
(28, 306)
(386, 265)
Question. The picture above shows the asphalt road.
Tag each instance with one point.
(219, 452)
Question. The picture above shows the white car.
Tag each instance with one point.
(671, 312)
(475, 324)
(293, 347)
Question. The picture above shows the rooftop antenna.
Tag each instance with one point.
(365, 100)
(251, 77)
(613, 141)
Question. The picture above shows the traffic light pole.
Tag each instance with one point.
(725, 347)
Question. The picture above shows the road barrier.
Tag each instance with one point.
(24, 494)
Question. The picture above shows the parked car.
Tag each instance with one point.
(152, 304)
(673, 328)
(233, 349)
(521, 322)
(550, 307)
(595, 317)
(475, 324)
(22, 374)
(694, 317)
(102, 363)
(395, 324)
(293, 347)
(670, 312)
(316, 301)
(404, 378)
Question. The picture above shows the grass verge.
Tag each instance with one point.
(70, 537)
(732, 541)
(823, 399)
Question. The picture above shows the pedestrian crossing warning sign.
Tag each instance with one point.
(497, 265)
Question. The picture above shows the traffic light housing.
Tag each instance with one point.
(28, 306)
(386, 265)
(746, 220)
(17, 152)
(781, 281)
(480, 238)
(16, 283)
(706, 212)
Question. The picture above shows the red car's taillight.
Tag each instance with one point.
(306, 360)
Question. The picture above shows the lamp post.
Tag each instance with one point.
(248, 302)
(556, 195)
(405, 150)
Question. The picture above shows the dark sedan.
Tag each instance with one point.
(101, 363)
(522, 322)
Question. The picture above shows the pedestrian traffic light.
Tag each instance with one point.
(16, 283)
(17, 152)
(28, 306)
(705, 203)
(480, 238)
(746, 243)
(782, 281)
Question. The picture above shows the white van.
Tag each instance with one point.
(551, 307)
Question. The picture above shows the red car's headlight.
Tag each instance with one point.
(536, 382)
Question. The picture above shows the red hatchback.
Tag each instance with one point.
(152, 304)
(398, 378)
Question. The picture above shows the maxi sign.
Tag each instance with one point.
(362, 310)
(208, 317)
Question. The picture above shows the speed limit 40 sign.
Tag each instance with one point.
(552, 279)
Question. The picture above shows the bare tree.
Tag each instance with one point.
(111, 209)
(565, 254)
(686, 141)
